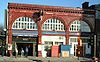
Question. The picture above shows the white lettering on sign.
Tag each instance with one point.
(25, 39)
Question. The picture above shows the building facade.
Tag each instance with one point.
(97, 8)
(57, 25)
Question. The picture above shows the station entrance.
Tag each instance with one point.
(21, 43)
(22, 46)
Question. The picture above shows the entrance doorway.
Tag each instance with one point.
(26, 42)
(23, 46)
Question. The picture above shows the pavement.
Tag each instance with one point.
(41, 59)
(14, 59)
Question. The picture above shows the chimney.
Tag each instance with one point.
(85, 5)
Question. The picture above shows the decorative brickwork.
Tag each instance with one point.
(66, 15)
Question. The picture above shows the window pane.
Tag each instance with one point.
(53, 24)
(23, 22)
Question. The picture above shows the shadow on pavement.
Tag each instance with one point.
(37, 60)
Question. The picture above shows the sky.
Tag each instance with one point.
(64, 3)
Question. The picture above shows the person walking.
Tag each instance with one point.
(26, 50)
(16, 52)
(22, 52)
(2, 51)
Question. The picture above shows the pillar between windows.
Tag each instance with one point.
(67, 39)
(10, 42)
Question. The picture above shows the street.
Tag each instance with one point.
(41, 59)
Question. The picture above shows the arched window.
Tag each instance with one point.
(79, 26)
(53, 25)
(24, 23)
(75, 26)
(85, 27)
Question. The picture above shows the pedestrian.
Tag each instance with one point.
(78, 53)
(22, 52)
(2, 50)
(26, 50)
(16, 52)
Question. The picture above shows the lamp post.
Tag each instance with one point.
(95, 37)
(5, 36)
(5, 42)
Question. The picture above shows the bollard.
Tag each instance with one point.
(4, 59)
(48, 60)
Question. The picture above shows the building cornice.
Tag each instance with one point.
(48, 8)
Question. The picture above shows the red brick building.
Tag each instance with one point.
(58, 25)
